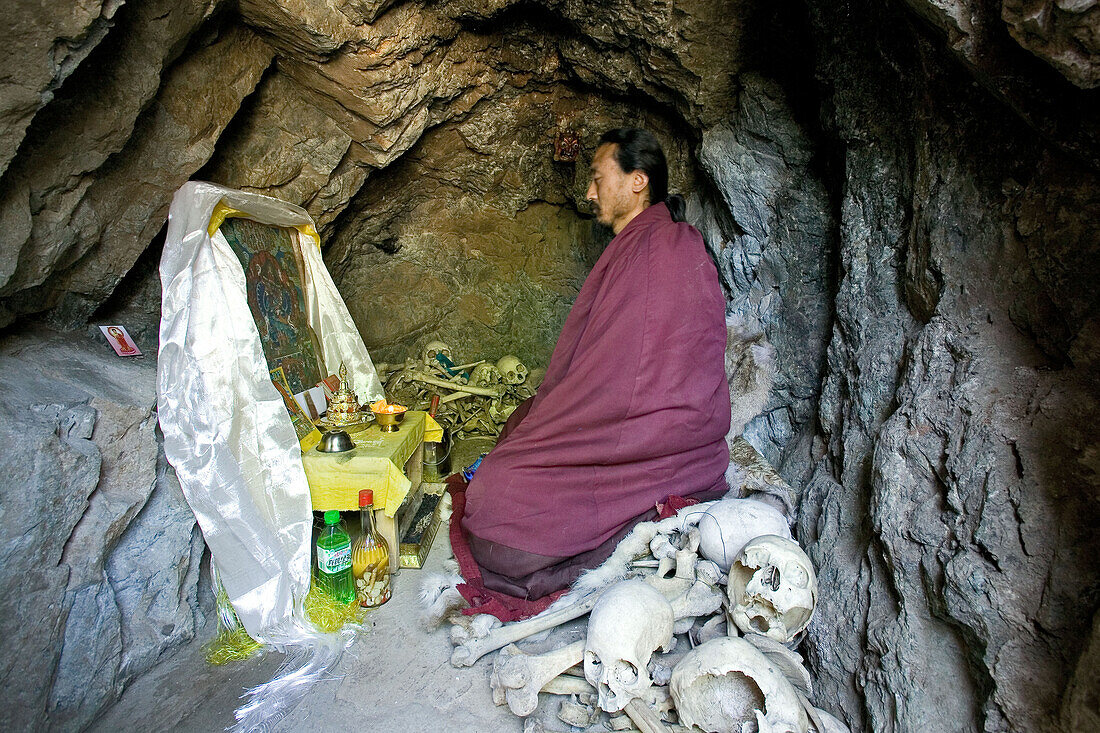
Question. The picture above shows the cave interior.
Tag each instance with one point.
(903, 195)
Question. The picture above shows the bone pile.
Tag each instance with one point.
(470, 406)
(692, 626)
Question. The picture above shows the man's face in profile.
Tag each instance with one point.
(609, 188)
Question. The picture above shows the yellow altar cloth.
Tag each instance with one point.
(376, 463)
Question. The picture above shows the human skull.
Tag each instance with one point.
(512, 371)
(628, 622)
(727, 525)
(434, 348)
(726, 685)
(485, 375)
(772, 588)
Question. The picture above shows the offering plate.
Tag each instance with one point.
(364, 418)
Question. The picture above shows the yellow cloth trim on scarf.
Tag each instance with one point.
(307, 230)
(223, 212)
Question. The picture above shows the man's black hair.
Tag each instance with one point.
(638, 150)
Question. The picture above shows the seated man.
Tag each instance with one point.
(634, 407)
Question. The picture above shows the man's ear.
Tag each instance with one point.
(638, 181)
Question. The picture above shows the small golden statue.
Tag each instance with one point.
(343, 409)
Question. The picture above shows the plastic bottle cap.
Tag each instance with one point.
(366, 497)
(332, 516)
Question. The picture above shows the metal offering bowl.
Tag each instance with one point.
(388, 421)
(335, 441)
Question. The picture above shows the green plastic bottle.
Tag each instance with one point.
(334, 560)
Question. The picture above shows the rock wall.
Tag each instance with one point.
(773, 238)
(422, 143)
(90, 187)
(953, 511)
(474, 236)
(101, 554)
(902, 195)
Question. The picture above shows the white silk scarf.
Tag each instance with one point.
(226, 429)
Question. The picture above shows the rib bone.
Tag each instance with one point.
(567, 684)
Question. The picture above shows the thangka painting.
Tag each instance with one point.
(273, 276)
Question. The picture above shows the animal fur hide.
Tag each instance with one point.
(750, 370)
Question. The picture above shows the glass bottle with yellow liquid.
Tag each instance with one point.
(370, 558)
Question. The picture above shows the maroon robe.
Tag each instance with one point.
(634, 409)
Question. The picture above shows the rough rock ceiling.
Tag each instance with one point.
(110, 107)
(93, 176)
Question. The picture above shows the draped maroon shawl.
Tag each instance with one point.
(634, 407)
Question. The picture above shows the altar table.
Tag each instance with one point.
(390, 464)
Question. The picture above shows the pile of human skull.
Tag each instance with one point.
(692, 626)
(475, 399)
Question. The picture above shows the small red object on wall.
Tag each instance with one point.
(567, 146)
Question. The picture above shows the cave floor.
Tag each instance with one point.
(396, 676)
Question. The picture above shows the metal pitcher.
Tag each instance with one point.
(437, 459)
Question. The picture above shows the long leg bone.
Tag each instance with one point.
(567, 684)
(468, 653)
(464, 367)
(483, 391)
(522, 676)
